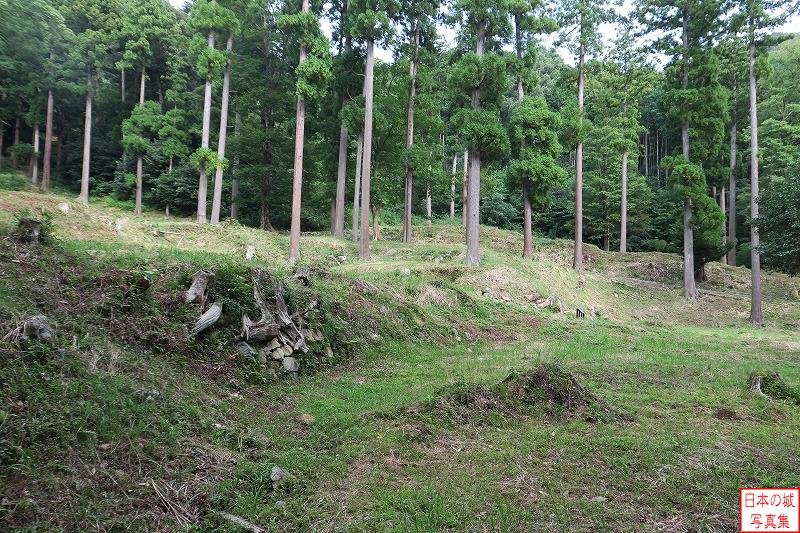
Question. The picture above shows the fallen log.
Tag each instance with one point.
(207, 319)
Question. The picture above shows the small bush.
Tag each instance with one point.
(13, 182)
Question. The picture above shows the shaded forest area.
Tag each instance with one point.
(244, 109)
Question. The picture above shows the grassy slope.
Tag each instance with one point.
(82, 441)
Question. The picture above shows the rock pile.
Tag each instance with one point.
(278, 338)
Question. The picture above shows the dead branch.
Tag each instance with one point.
(239, 521)
(207, 319)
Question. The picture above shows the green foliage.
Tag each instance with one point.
(497, 211)
(22, 151)
(371, 19)
(708, 222)
(534, 131)
(482, 129)
(688, 181)
(207, 158)
(139, 130)
(13, 182)
(778, 227)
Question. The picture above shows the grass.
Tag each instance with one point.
(135, 428)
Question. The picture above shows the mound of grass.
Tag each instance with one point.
(773, 386)
(548, 389)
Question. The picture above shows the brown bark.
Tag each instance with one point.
(732, 195)
(376, 223)
(60, 137)
(357, 187)
(365, 185)
(409, 179)
(527, 226)
(216, 202)
(689, 286)
(724, 258)
(341, 175)
(428, 210)
(138, 209)
(235, 172)
(623, 230)
(202, 187)
(578, 247)
(35, 166)
(48, 142)
(756, 316)
(474, 180)
(139, 158)
(87, 144)
(464, 190)
(333, 212)
(17, 127)
(297, 180)
(453, 188)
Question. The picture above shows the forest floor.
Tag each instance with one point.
(129, 425)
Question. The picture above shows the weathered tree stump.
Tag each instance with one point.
(30, 230)
(197, 291)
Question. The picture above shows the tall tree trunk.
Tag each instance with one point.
(623, 230)
(732, 196)
(333, 213)
(657, 161)
(577, 259)
(48, 142)
(216, 203)
(724, 258)
(357, 187)
(2, 139)
(376, 223)
(87, 143)
(646, 154)
(464, 190)
(756, 316)
(138, 210)
(35, 169)
(122, 84)
(453, 188)
(341, 177)
(235, 171)
(202, 187)
(17, 127)
(139, 157)
(60, 138)
(344, 140)
(527, 226)
(369, 75)
(689, 286)
(428, 209)
(474, 180)
(297, 179)
(412, 94)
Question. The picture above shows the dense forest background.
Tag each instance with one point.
(146, 68)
